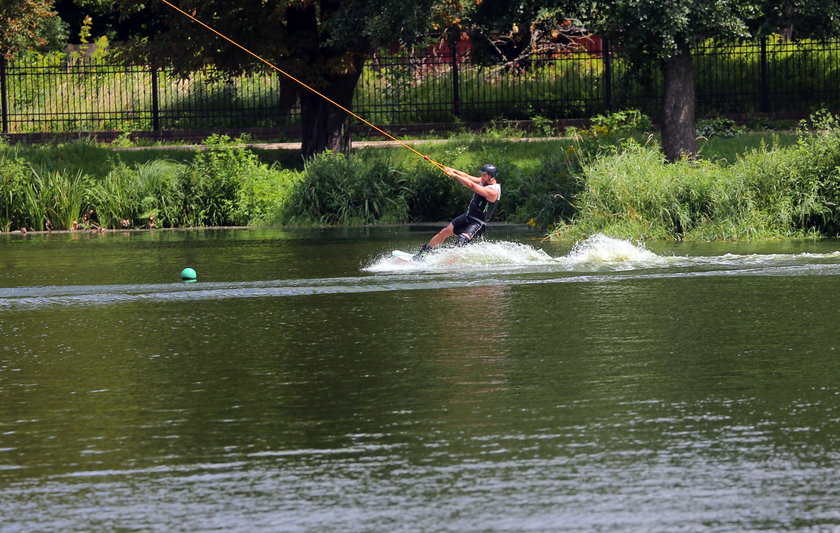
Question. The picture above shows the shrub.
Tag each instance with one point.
(212, 181)
(341, 189)
(718, 127)
(115, 197)
(543, 197)
(431, 195)
(161, 194)
(262, 193)
(626, 121)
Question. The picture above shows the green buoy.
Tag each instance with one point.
(188, 274)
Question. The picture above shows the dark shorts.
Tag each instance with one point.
(465, 224)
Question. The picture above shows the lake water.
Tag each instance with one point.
(309, 382)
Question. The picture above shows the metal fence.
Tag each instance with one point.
(770, 76)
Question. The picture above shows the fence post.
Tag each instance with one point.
(4, 94)
(605, 53)
(155, 104)
(456, 84)
(763, 102)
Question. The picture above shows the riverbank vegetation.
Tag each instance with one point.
(772, 191)
(610, 178)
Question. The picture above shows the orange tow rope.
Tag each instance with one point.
(325, 97)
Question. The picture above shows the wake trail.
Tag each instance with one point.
(598, 259)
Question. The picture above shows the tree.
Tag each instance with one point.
(20, 21)
(664, 33)
(324, 43)
(132, 21)
(797, 19)
(510, 31)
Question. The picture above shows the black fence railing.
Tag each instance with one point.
(771, 76)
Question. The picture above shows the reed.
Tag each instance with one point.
(54, 199)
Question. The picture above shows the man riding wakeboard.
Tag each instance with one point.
(470, 225)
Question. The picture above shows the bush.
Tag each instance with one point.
(718, 127)
(115, 198)
(543, 197)
(161, 193)
(212, 181)
(626, 121)
(432, 196)
(262, 193)
(341, 189)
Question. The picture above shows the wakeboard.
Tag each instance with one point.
(403, 256)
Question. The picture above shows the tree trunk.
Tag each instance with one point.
(679, 137)
(325, 126)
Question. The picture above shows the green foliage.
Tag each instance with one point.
(36, 199)
(605, 132)
(14, 174)
(20, 24)
(543, 126)
(431, 196)
(116, 197)
(604, 182)
(315, 42)
(626, 121)
(161, 193)
(212, 181)
(718, 127)
(340, 189)
(543, 198)
(651, 31)
(801, 18)
(146, 195)
(503, 129)
(54, 199)
(772, 192)
(262, 193)
(407, 91)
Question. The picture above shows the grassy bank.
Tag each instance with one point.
(772, 191)
(82, 184)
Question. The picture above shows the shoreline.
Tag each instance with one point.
(103, 231)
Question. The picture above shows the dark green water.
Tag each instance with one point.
(307, 382)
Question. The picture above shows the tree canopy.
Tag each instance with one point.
(796, 19)
(324, 43)
(20, 21)
(659, 31)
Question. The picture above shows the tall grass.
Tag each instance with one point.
(770, 192)
(54, 199)
(13, 178)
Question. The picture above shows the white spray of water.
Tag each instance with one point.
(598, 251)
(602, 249)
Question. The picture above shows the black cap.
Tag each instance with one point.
(490, 169)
